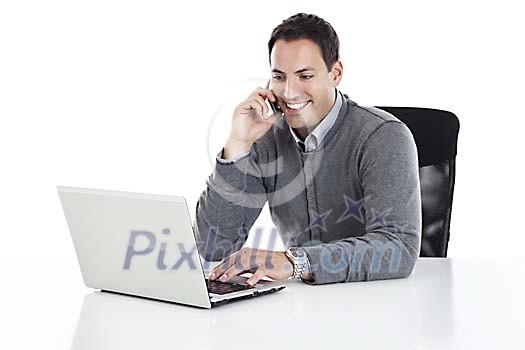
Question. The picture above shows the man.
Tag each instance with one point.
(341, 180)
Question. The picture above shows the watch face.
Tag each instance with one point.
(297, 253)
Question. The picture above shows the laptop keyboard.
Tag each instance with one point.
(218, 287)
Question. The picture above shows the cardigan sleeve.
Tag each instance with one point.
(228, 207)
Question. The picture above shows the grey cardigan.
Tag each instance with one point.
(353, 204)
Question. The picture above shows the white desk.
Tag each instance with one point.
(444, 304)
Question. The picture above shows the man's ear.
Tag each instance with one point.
(337, 72)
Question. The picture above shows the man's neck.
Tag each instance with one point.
(302, 133)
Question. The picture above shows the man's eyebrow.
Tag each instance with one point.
(296, 72)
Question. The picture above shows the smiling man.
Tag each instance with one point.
(341, 180)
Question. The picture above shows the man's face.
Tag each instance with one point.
(300, 80)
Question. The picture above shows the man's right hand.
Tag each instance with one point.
(251, 120)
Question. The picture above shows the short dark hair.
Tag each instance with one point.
(312, 27)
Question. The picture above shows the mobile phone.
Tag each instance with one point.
(275, 106)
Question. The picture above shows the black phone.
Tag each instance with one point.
(275, 106)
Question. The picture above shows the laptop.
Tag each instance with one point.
(143, 245)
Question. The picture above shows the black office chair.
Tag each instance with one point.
(436, 136)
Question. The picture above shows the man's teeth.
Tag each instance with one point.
(296, 105)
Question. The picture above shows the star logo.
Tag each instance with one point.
(399, 229)
(380, 217)
(320, 219)
(293, 242)
(290, 240)
(352, 209)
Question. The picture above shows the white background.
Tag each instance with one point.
(123, 95)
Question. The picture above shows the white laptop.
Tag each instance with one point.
(143, 245)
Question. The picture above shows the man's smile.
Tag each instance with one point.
(293, 108)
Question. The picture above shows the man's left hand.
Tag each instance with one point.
(260, 262)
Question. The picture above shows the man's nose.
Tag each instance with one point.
(290, 90)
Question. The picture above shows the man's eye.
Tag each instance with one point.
(307, 77)
(277, 78)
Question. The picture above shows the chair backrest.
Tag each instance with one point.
(436, 135)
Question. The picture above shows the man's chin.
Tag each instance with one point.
(295, 121)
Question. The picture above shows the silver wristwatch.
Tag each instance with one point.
(299, 259)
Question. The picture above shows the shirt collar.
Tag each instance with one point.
(317, 135)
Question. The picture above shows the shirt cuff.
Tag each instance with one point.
(229, 161)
